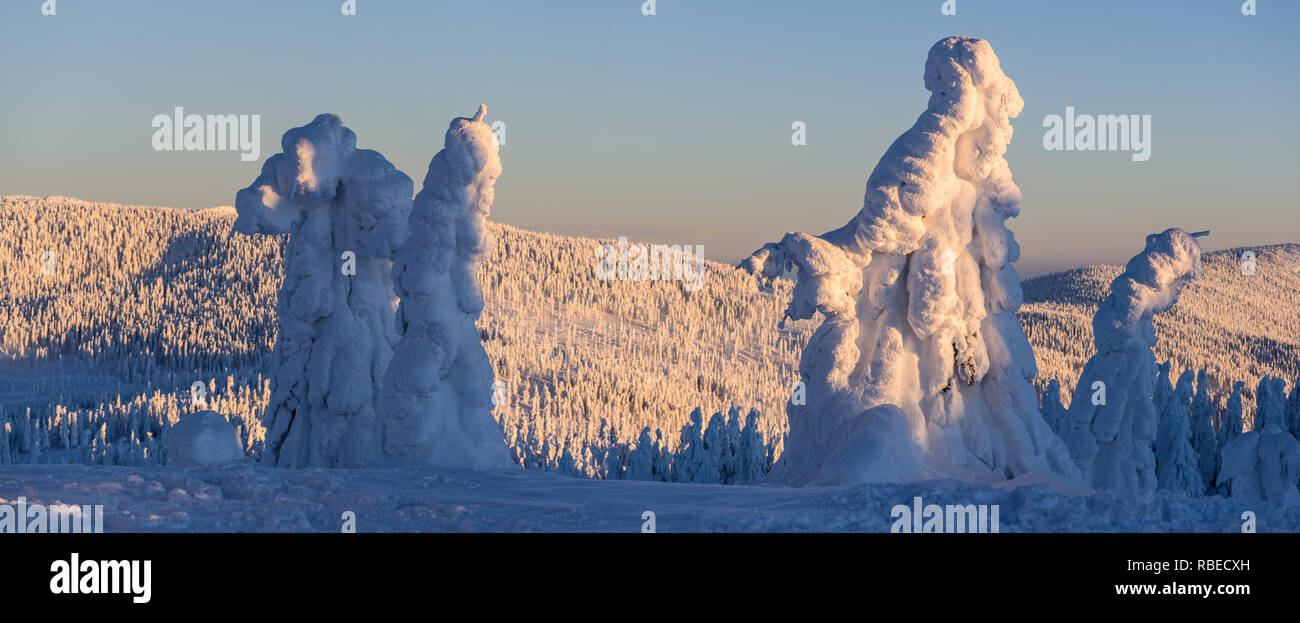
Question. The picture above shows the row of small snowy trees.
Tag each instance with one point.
(1199, 447)
(724, 451)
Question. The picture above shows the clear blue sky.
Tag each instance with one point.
(674, 127)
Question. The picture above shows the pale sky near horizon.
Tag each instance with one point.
(674, 127)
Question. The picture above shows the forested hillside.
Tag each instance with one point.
(110, 313)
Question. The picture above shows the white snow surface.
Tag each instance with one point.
(246, 497)
(336, 330)
(203, 439)
(919, 299)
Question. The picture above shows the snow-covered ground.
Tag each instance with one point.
(247, 497)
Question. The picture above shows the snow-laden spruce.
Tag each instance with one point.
(1051, 408)
(1177, 463)
(1113, 416)
(436, 400)
(345, 210)
(1204, 438)
(920, 368)
(1263, 464)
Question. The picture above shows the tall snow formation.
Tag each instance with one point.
(1263, 465)
(1112, 417)
(345, 210)
(920, 368)
(436, 400)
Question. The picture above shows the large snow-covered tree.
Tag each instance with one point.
(1112, 417)
(345, 210)
(920, 368)
(436, 399)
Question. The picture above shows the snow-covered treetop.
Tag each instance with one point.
(318, 161)
(455, 201)
(1150, 284)
(912, 181)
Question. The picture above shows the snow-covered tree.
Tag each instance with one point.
(717, 446)
(1293, 409)
(1112, 417)
(1164, 387)
(345, 210)
(1204, 439)
(640, 465)
(1177, 464)
(731, 470)
(1233, 417)
(752, 459)
(689, 449)
(1052, 409)
(919, 357)
(436, 400)
(1263, 465)
(663, 461)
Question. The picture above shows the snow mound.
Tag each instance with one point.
(203, 439)
(919, 299)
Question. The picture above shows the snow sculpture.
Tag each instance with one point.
(203, 439)
(1263, 465)
(345, 210)
(436, 400)
(920, 368)
(1112, 418)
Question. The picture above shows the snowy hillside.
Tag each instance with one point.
(108, 343)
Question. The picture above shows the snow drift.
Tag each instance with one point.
(436, 401)
(345, 210)
(203, 439)
(920, 368)
(1112, 419)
